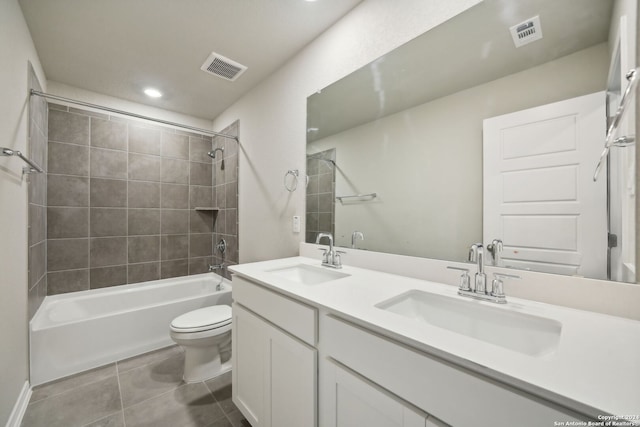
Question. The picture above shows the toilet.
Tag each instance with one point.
(205, 335)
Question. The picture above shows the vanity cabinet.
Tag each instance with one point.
(334, 354)
(441, 389)
(355, 401)
(274, 372)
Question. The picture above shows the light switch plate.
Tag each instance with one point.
(296, 223)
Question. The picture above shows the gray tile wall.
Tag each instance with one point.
(37, 232)
(321, 194)
(121, 201)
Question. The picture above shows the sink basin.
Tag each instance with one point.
(308, 274)
(524, 333)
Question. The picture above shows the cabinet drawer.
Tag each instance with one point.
(300, 320)
(433, 385)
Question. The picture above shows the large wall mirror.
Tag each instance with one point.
(460, 137)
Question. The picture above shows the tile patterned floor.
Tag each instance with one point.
(146, 390)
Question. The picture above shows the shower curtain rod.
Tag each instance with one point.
(126, 113)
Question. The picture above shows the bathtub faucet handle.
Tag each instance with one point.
(214, 267)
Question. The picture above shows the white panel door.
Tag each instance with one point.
(539, 195)
(358, 403)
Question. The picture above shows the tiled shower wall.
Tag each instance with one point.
(321, 196)
(122, 198)
(37, 232)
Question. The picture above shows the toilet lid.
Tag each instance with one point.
(203, 319)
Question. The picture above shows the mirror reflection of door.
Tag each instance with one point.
(539, 195)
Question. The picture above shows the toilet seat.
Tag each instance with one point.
(203, 319)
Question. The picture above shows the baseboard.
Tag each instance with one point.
(15, 418)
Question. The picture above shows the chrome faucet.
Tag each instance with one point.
(476, 254)
(330, 257)
(355, 236)
(214, 267)
(480, 291)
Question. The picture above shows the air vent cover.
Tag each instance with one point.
(527, 31)
(222, 67)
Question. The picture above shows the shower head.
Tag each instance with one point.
(331, 162)
(212, 154)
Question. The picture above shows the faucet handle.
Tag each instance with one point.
(497, 286)
(214, 267)
(337, 259)
(325, 254)
(464, 278)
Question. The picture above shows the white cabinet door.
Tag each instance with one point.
(356, 402)
(250, 366)
(274, 374)
(293, 387)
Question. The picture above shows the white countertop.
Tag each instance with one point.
(595, 369)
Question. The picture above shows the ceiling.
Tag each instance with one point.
(472, 48)
(120, 47)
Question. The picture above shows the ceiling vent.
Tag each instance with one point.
(527, 31)
(223, 67)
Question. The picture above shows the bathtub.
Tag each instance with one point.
(74, 332)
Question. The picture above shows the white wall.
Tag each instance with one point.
(16, 49)
(273, 115)
(429, 200)
(78, 94)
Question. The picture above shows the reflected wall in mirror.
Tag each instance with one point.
(409, 128)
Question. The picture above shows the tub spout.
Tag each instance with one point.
(214, 267)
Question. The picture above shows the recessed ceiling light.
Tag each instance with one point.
(153, 93)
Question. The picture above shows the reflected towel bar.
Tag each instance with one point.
(358, 196)
(32, 166)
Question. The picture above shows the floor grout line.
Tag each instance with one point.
(124, 422)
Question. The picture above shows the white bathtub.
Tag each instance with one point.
(74, 332)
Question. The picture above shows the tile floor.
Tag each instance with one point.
(145, 390)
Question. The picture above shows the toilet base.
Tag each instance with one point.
(203, 363)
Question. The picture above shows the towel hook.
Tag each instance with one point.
(295, 173)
